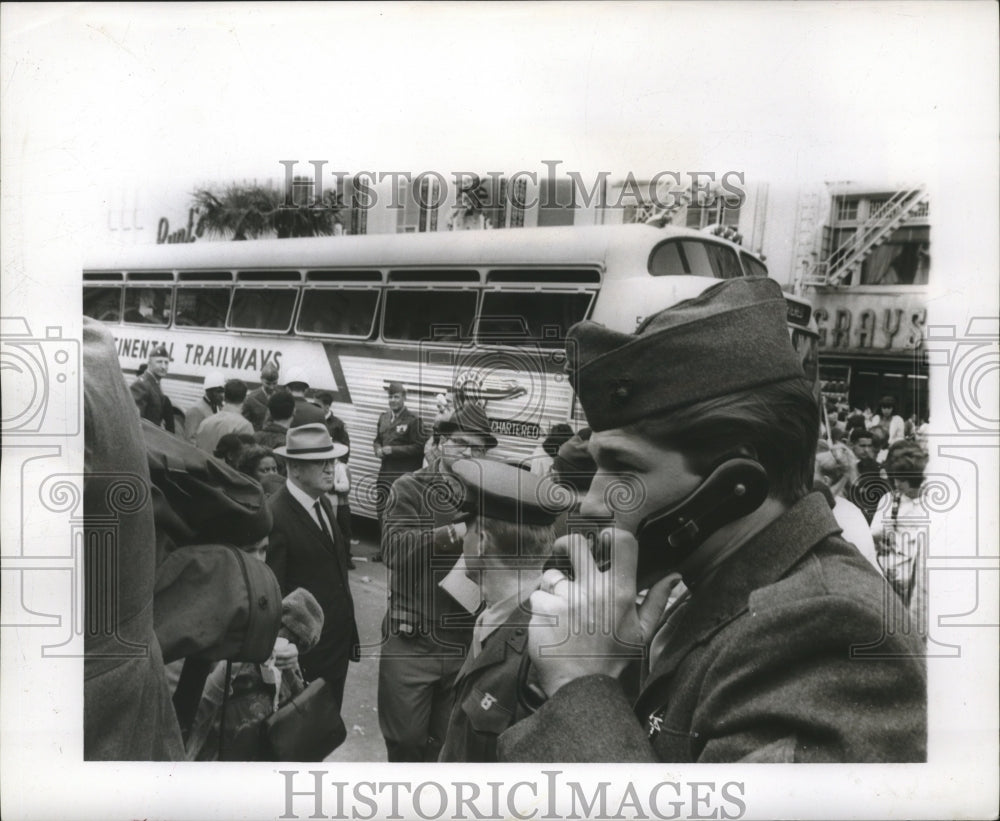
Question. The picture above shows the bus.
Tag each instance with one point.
(483, 313)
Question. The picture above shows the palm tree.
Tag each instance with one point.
(250, 210)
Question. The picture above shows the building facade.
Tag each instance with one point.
(863, 259)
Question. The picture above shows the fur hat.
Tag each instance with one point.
(302, 616)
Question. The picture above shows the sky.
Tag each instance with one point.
(98, 98)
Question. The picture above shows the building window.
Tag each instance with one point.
(902, 258)
(905, 259)
(421, 203)
(718, 213)
(556, 202)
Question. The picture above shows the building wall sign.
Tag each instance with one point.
(187, 234)
(875, 323)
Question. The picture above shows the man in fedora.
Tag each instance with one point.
(778, 650)
(308, 550)
(148, 394)
(426, 629)
(399, 444)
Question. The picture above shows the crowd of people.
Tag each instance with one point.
(535, 612)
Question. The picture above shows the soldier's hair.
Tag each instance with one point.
(777, 424)
(325, 397)
(235, 391)
(512, 541)
(281, 404)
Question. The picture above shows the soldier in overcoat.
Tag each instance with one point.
(787, 645)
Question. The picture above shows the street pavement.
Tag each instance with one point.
(369, 586)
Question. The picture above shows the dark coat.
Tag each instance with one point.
(405, 435)
(768, 662)
(127, 711)
(148, 397)
(255, 408)
(301, 556)
(337, 428)
(486, 693)
(306, 413)
(419, 554)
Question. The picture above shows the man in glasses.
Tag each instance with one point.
(427, 631)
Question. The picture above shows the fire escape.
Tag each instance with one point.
(841, 265)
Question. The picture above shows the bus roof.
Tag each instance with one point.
(564, 245)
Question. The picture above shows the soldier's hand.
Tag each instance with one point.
(378, 451)
(590, 625)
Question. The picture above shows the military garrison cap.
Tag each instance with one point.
(497, 490)
(160, 351)
(730, 338)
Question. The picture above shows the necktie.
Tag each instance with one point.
(322, 521)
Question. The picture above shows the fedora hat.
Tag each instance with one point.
(310, 442)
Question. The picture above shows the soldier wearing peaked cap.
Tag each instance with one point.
(148, 394)
(398, 444)
(505, 546)
(427, 629)
(706, 409)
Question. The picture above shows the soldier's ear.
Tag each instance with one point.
(484, 542)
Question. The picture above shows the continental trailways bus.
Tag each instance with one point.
(484, 311)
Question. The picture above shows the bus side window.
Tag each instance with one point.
(519, 318)
(202, 307)
(104, 304)
(444, 316)
(689, 256)
(150, 306)
(340, 312)
(262, 309)
(723, 260)
(754, 267)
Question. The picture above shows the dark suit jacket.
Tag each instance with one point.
(255, 408)
(788, 654)
(148, 398)
(301, 556)
(307, 413)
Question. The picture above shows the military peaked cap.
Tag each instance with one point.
(497, 490)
